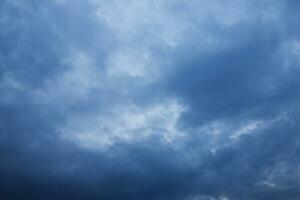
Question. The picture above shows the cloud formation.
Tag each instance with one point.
(154, 100)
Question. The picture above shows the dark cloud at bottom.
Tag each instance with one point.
(40, 166)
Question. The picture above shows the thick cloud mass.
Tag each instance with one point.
(154, 100)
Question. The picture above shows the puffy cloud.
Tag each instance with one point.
(125, 123)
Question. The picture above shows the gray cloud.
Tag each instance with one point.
(149, 100)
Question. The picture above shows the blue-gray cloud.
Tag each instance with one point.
(149, 100)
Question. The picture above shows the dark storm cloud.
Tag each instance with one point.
(252, 75)
(248, 81)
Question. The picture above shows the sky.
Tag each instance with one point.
(149, 99)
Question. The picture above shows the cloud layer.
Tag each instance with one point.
(154, 100)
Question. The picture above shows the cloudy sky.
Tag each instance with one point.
(149, 99)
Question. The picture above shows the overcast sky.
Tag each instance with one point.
(150, 99)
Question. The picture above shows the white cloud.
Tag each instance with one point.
(133, 20)
(129, 62)
(223, 133)
(248, 128)
(79, 79)
(125, 123)
(83, 76)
